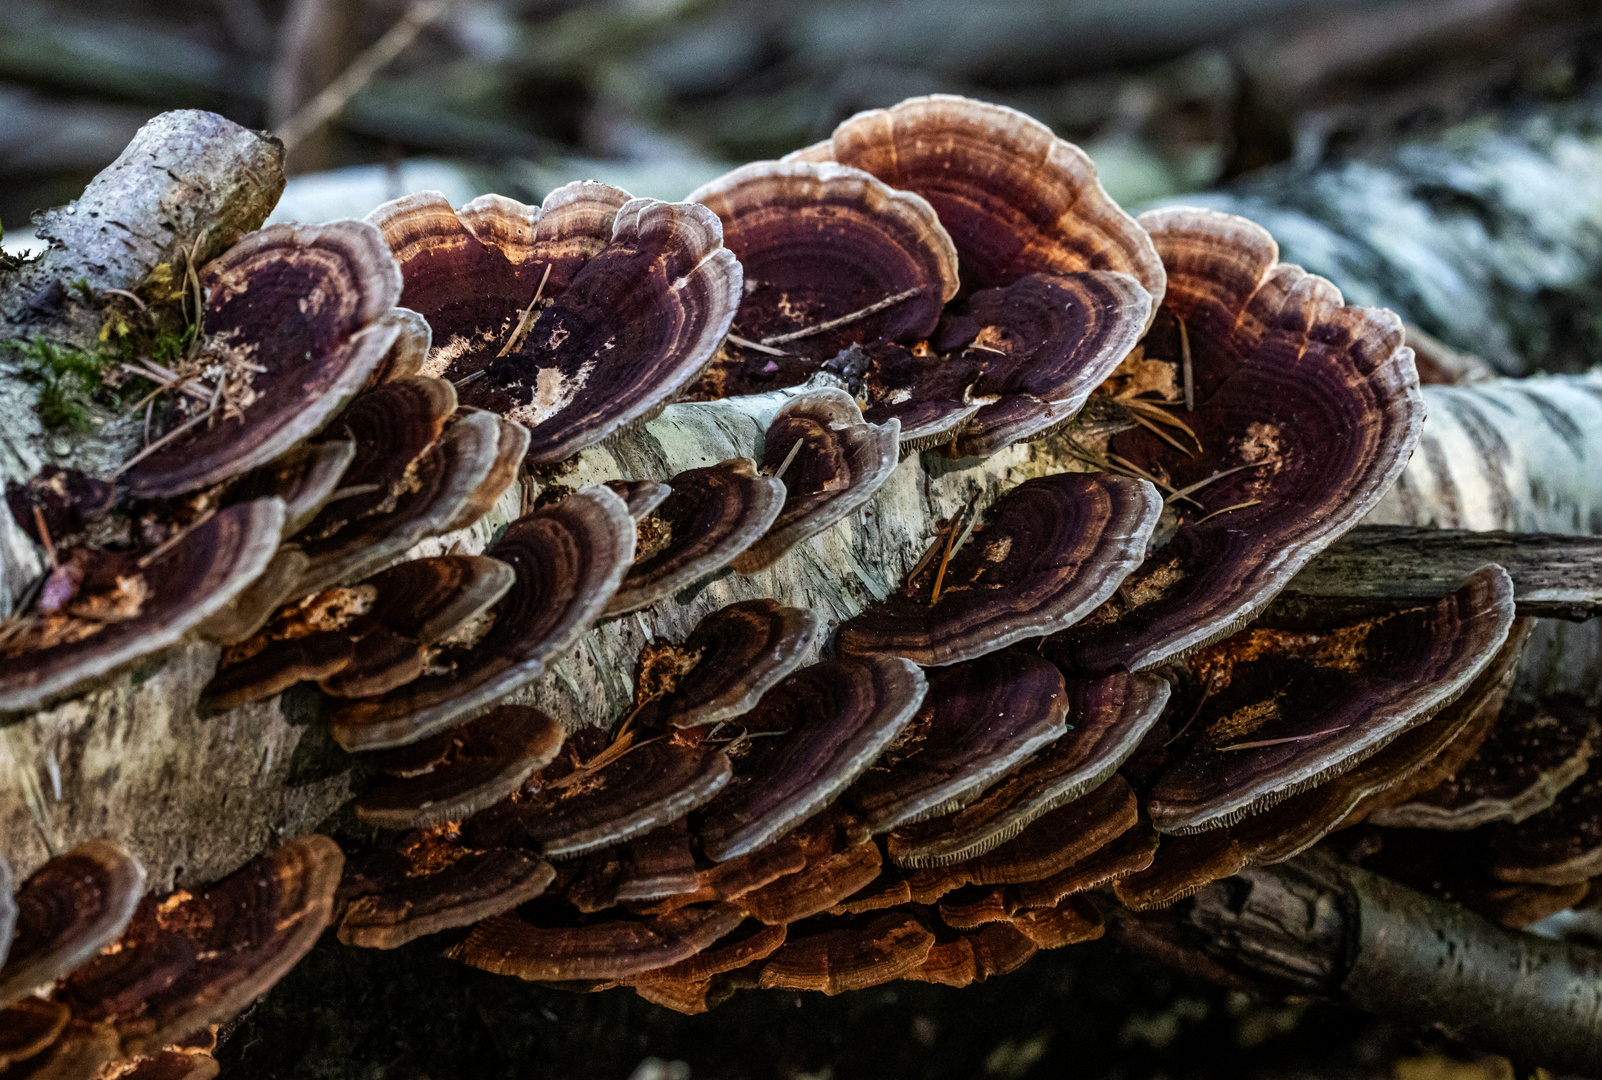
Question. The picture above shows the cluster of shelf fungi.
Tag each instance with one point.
(1074, 692)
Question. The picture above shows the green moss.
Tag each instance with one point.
(66, 376)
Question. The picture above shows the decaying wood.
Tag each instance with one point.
(1317, 925)
(1556, 577)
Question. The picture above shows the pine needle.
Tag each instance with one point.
(1185, 368)
(1258, 744)
(1227, 509)
(757, 346)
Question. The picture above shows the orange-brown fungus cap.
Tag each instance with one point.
(297, 317)
(851, 954)
(1306, 412)
(192, 958)
(577, 318)
(841, 860)
(553, 944)
(29, 1027)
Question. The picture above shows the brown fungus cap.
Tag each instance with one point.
(732, 657)
(252, 606)
(277, 667)
(978, 721)
(29, 1027)
(1052, 842)
(1053, 548)
(840, 464)
(193, 958)
(462, 770)
(1036, 348)
(81, 1051)
(65, 500)
(750, 942)
(841, 860)
(1532, 752)
(596, 795)
(652, 867)
(146, 608)
(410, 351)
(639, 295)
(551, 945)
(965, 958)
(305, 478)
(510, 449)
(439, 485)
(816, 732)
(1071, 922)
(734, 878)
(1128, 854)
(1561, 845)
(67, 911)
(1109, 716)
(821, 242)
(1015, 198)
(422, 891)
(569, 559)
(1286, 709)
(849, 955)
(1306, 412)
(640, 496)
(306, 313)
(711, 515)
(392, 426)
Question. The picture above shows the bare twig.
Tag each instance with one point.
(952, 544)
(131, 296)
(1227, 509)
(159, 443)
(871, 309)
(44, 535)
(332, 99)
(757, 346)
(525, 321)
(795, 448)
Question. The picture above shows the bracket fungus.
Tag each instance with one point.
(979, 720)
(841, 859)
(1561, 845)
(109, 608)
(732, 657)
(1306, 412)
(1285, 709)
(429, 887)
(852, 955)
(1014, 197)
(559, 946)
(577, 318)
(296, 319)
(568, 559)
(1532, 752)
(1109, 716)
(819, 729)
(362, 639)
(194, 958)
(1053, 549)
(462, 770)
(437, 489)
(824, 247)
(305, 478)
(602, 792)
(66, 912)
(710, 516)
(831, 463)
